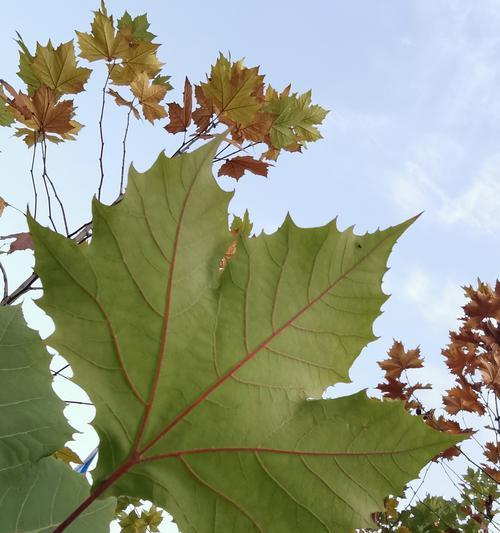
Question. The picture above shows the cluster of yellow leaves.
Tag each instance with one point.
(52, 72)
(235, 96)
(49, 74)
(131, 59)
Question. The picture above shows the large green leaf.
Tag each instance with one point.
(32, 421)
(43, 494)
(203, 382)
(36, 490)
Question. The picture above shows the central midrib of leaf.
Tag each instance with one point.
(166, 319)
(219, 382)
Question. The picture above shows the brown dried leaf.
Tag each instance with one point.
(236, 167)
(119, 100)
(22, 241)
(490, 371)
(462, 398)
(202, 115)
(42, 112)
(181, 116)
(492, 452)
(485, 303)
(400, 360)
(393, 389)
(492, 472)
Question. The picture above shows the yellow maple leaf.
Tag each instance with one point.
(103, 42)
(234, 90)
(57, 69)
(140, 57)
(67, 455)
(149, 96)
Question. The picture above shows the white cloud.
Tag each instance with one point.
(479, 205)
(414, 190)
(439, 303)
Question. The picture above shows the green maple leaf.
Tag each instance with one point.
(208, 385)
(37, 491)
(136, 28)
(26, 67)
(6, 117)
(295, 118)
(57, 68)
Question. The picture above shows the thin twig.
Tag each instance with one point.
(51, 183)
(78, 403)
(57, 372)
(49, 204)
(79, 235)
(124, 143)
(242, 149)
(5, 282)
(33, 181)
(101, 132)
(185, 145)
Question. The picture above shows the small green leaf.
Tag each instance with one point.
(26, 72)
(295, 118)
(136, 27)
(6, 117)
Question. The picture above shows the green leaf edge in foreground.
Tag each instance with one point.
(36, 490)
(215, 425)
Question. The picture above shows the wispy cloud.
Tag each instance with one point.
(438, 302)
(479, 205)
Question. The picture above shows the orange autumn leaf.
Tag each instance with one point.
(236, 167)
(484, 303)
(119, 100)
(180, 116)
(493, 473)
(400, 360)
(393, 389)
(462, 398)
(457, 358)
(42, 112)
(492, 452)
(490, 371)
(202, 115)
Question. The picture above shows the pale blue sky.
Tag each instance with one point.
(413, 89)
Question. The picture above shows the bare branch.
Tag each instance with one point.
(33, 182)
(101, 132)
(124, 143)
(5, 282)
(61, 205)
